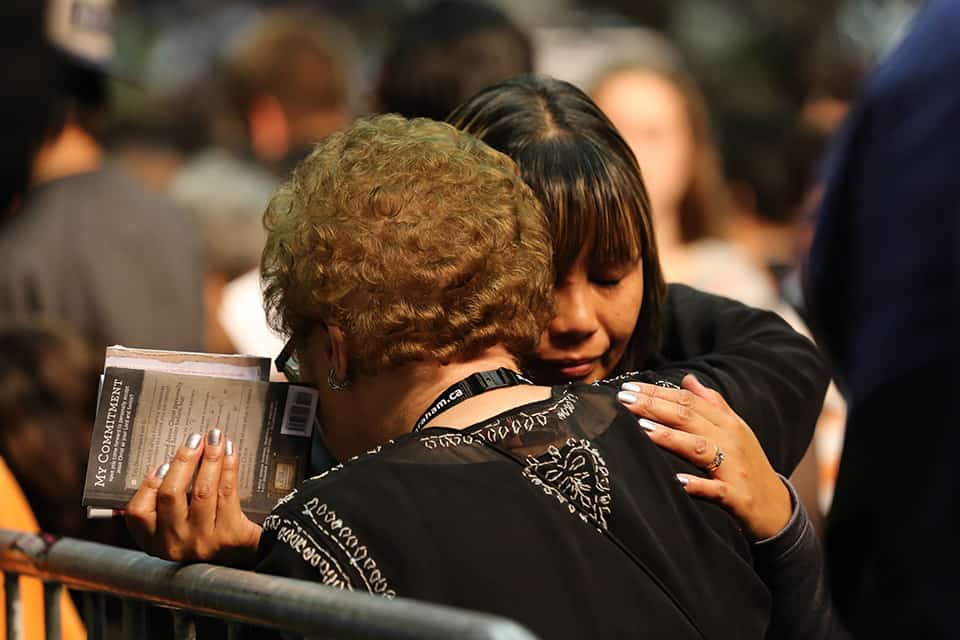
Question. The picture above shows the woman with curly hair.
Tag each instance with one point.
(411, 267)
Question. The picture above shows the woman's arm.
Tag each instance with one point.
(792, 566)
(695, 423)
(772, 376)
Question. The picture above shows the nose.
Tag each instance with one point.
(576, 317)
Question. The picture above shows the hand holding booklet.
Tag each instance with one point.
(151, 401)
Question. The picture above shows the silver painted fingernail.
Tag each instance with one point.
(229, 447)
(193, 441)
(631, 386)
(213, 438)
(683, 481)
(626, 397)
(161, 471)
(648, 425)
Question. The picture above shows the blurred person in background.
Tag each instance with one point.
(661, 113)
(771, 170)
(281, 89)
(152, 135)
(48, 396)
(445, 52)
(884, 285)
(82, 242)
(48, 393)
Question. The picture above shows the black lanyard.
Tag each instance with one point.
(470, 386)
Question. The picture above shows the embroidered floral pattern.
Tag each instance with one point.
(577, 476)
(497, 430)
(327, 522)
(336, 535)
(632, 376)
(293, 535)
(285, 499)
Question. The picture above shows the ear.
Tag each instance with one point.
(339, 352)
(269, 128)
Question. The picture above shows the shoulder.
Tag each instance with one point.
(113, 183)
(42, 228)
(329, 529)
(683, 300)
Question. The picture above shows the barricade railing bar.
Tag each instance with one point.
(241, 598)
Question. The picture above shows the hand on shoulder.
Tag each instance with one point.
(696, 423)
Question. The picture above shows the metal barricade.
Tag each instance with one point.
(241, 598)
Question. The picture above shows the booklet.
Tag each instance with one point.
(151, 401)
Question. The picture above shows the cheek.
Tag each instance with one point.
(621, 312)
(620, 323)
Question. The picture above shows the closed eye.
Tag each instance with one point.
(606, 282)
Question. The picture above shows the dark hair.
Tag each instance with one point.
(28, 106)
(585, 176)
(48, 394)
(444, 53)
(42, 87)
(294, 56)
(777, 158)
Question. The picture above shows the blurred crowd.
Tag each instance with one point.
(142, 143)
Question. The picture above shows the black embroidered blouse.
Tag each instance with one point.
(560, 514)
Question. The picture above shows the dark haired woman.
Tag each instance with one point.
(614, 315)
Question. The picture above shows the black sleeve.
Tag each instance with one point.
(792, 565)
(773, 377)
(293, 548)
(290, 549)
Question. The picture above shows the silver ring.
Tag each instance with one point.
(718, 458)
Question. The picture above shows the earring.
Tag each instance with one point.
(333, 384)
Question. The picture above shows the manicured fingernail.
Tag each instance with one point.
(630, 386)
(648, 425)
(683, 481)
(213, 438)
(161, 471)
(194, 441)
(229, 447)
(627, 397)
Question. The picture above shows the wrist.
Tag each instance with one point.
(795, 513)
(777, 512)
(243, 554)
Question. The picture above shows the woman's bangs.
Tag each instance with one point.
(617, 233)
(589, 200)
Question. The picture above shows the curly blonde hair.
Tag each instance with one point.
(420, 241)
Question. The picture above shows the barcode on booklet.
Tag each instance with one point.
(299, 412)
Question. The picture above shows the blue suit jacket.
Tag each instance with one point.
(883, 284)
